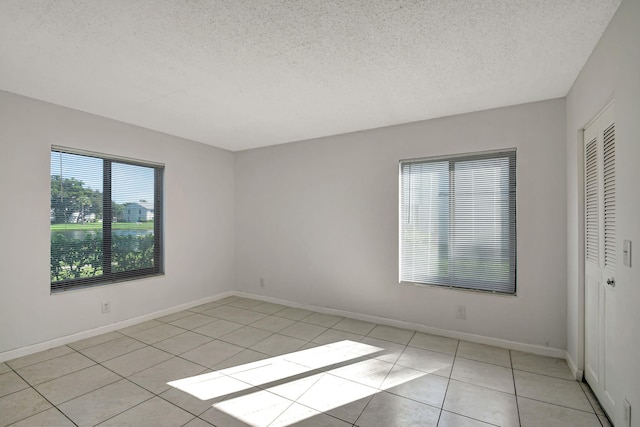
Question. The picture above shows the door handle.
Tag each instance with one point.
(611, 282)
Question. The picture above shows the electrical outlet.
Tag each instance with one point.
(261, 282)
(627, 413)
(106, 307)
(461, 312)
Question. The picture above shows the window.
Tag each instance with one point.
(93, 240)
(458, 221)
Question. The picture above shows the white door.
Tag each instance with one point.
(600, 255)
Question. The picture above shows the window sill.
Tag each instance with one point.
(84, 287)
(453, 288)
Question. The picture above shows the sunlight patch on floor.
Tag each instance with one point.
(264, 390)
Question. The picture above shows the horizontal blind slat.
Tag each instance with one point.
(106, 219)
(458, 222)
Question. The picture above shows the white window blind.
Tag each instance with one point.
(458, 221)
(93, 238)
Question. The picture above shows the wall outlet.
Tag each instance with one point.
(461, 312)
(261, 282)
(106, 307)
(626, 406)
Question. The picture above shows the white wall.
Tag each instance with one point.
(612, 72)
(318, 220)
(198, 248)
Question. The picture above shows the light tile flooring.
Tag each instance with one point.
(239, 362)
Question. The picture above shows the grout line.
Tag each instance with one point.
(364, 409)
(486, 363)
(120, 377)
(291, 402)
(120, 355)
(515, 390)
(41, 361)
(546, 375)
(122, 412)
(490, 389)
(65, 415)
(444, 398)
(184, 409)
(560, 406)
(42, 396)
(471, 418)
(95, 345)
(173, 404)
(324, 370)
(195, 417)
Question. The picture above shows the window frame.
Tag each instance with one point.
(511, 154)
(108, 276)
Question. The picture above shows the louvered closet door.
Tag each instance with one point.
(600, 254)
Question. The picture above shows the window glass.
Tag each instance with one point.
(76, 216)
(458, 222)
(106, 219)
(132, 236)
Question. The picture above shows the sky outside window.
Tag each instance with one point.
(89, 171)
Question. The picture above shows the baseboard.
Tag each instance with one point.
(46, 345)
(480, 339)
(577, 373)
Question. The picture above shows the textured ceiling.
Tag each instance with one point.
(239, 74)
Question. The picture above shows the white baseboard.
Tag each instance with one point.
(480, 339)
(577, 373)
(46, 345)
(497, 342)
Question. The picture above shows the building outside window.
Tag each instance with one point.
(96, 235)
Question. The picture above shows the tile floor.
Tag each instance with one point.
(239, 362)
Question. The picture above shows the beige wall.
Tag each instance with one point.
(611, 73)
(318, 220)
(198, 249)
